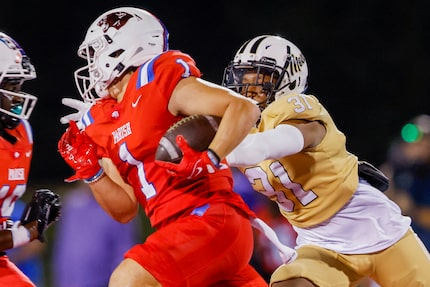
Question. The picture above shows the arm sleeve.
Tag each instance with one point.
(275, 143)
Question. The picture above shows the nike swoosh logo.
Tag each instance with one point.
(196, 171)
(199, 171)
(134, 104)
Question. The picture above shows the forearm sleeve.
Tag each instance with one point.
(271, 144)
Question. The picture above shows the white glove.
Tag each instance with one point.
(287, 254)
(78, 105)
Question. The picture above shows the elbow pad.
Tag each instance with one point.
(276, 143)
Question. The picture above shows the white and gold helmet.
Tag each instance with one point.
(273, 56)
(117, 40)
(15, 69)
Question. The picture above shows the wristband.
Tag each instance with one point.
(20, 236)
(213, 157)
(96, 177)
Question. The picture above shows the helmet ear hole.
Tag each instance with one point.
(292, 85)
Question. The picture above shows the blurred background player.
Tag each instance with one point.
(16, 148)
(105, 239)
(408, 167)
(347, 229)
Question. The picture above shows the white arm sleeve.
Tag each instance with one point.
(271, 144)
(287, 254)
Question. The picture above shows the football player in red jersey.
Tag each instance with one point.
(347, 229)
(16, 148)
(138, 89)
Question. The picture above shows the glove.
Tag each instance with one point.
(374, 176)
(45, 208)
(5, 223)
(81, 107)
(80, 153)
(194, 163)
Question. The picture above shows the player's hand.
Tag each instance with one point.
(45, 208)
(80, 153)
(194, 163)
(81, 107)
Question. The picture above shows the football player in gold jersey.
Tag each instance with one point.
(348, 229)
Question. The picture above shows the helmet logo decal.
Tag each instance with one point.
(115, 20)
(18, 58)
(295, 62)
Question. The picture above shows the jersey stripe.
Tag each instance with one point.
(146, 73)
(256, 44)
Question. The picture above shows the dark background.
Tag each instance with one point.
(368, 60)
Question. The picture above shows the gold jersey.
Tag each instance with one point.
(312, 185)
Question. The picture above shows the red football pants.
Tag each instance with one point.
(10, 275)
(210, 247)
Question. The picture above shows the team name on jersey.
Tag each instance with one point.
(16, 174)
(121, 132)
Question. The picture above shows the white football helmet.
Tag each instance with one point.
(273, 56)
(15, 69)
(117, 40)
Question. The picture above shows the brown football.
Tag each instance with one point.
(198, 131)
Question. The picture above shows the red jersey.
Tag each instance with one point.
(15, 162)
(129, 132)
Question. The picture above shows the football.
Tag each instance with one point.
(198, 131)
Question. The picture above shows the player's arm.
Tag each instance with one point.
(41, 212)
(18, 235)
(113, 195)
(283, 140)
(119, 202)
(196, 96)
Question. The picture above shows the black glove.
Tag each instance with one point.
(45, 208)
(374, 176)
